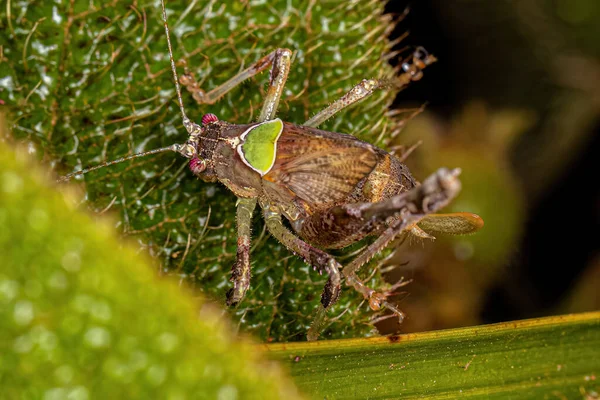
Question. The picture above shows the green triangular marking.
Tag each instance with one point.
(259, 148)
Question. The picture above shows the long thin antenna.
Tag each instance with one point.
(186, 120)
(184, 149)
(173, 147)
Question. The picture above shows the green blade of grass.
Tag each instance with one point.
(555, 357)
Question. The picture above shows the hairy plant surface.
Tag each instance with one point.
(89, 81)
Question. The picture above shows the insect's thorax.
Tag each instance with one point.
(218, 147)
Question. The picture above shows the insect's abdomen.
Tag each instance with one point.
(335, 229)
(389, 178)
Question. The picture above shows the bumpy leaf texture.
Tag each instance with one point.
(89, 81)
(80, 320)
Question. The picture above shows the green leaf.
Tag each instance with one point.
(87, 82)
(83, 315)
(554, 357)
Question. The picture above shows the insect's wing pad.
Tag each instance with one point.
(258, 149)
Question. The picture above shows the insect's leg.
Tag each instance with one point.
(358, 93)
(412, 71)
(277, 79)
(317, 258)
(377, 300)
(408, 209)
(279, 61)
(240, 272)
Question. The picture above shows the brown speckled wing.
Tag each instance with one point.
(320, 167)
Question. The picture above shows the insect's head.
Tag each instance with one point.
(193, 147)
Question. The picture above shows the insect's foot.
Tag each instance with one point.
(376, 300)
(394, 310)
(331, 293)
(379, 300)
(241, 283)
(188, 81)
(323, 262)
(232, 299)
(439, 188)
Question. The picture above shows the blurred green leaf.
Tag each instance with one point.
(82, 315)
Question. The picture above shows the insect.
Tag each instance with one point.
(332, 188)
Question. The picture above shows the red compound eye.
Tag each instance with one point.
(208, 118)
(197, 165)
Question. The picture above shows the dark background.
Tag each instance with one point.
(485, 53)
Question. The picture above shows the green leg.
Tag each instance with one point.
(279, 61)
(315, 257)
(240, 272)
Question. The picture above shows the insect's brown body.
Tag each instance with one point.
(315, 171)
(333, 188)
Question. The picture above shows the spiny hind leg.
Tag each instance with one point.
(377, 300)
(240, 272)
(279, 61)
(316, 257)
(408, 209)
(412, 71)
